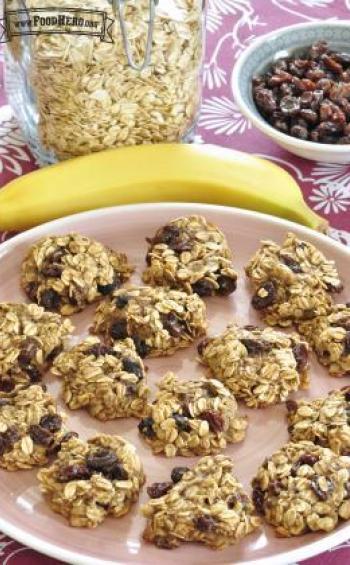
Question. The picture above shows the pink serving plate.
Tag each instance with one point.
(23, 513)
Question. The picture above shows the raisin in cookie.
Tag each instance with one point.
(192, 418)
(292, 282)
(92, 480)
(109, 381)
(303, 487)
(30, 339)
(159, 320)
(329, 335)
(65, 273)
(260, 366)
(31, 429)
(324, 421)
(191, 254)
(203, 504)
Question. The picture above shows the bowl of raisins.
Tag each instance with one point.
(294, 85)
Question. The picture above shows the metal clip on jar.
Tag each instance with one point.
(137, 81)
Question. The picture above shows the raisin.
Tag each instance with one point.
(8, 439)
(342, 58)
(300, 132)
(68, 436)
(121, 301)
(51, 422)
(174, 325)
(172, 236)
(275, 487)
(315, 486)
(291, 406)
(265, 296)
(203, 287)
(205, 523)
(279, 78)
(258, 499)
(119, 329)
(28, 351)
(290, 105)
(50, 299)
(32, 291)
(265, 100)
(131, 389)
(105, 289)
(103, 459)
(347, 343)
(40, 435)
(141, 346)
(301, 355)
(146, 427)
(116, 473)
(163, 542)
(133, 367)
(177, 473)
(156, 490)
(50, 270)
(291, 263)
(182, 423)
(34, 374)
(256, 346)
(308, 459)
(202, 345)
(332, 64)
(214, 419)
(7, 384)
(100, 349)
(4, 402)
(310, 116)
(74, 472)
(227, 285)
(347, 396)
(53, 353)
(281, 125)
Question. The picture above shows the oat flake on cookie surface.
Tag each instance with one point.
(66, 273)
(93, 479)
(191, 254)
(194, 417)
(108, 380)
(292, 282)
(31, 429)
(260, 366)
(203, 504)
(159, 320)
(324, 421)
(329, 335)
(30, 339)
(303, 488)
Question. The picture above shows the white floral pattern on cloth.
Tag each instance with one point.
(231, 26)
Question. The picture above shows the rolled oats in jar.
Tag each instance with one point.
(137, 80)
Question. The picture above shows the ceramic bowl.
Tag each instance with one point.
(258, 58)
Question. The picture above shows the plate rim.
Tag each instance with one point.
(51, 549)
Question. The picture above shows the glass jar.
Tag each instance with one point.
(139, 81)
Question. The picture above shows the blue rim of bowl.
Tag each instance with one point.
(258, 120)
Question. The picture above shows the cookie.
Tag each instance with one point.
(324, 421)
(191, 254)
(108, 381)
(159, 320)
(92, 480)
(329, 335)
(203, 504)
(30, 339)
(303, 488)
(292, 282)
(66, 273)
(194, 417)
(31, 429)
(260, 366)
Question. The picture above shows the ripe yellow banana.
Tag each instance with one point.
(154, 173)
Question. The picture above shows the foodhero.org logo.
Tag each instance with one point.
(38, 21)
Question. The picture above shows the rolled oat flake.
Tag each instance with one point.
(106, 73)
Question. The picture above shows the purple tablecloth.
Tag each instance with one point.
(231, 26)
